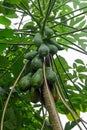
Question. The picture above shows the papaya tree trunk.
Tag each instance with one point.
(50, 105)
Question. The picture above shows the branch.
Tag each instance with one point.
(8, 98)
(46, 16)
(41, 12)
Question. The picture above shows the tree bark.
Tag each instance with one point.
(50, 105)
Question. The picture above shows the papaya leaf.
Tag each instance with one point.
(81, 68)
(6, 33)
(17, 67)
(11, 122)
(3, 61)
(5, 21)
(2, 47)
(13, 1)
(79, 61)
(69, 125)
(69, 116)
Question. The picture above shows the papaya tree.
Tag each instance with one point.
(36, 82)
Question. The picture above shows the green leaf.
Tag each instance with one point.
(6, 80)
(79, 19)
(69, 125)
(8, 10)
(6, 33)
(8, 36)
(69, 116)
(74, 65)
(81, 68)
(13, 1)
(70, 38)
(81, 25)
(82, 77)
(63, 62)
(2, 47)
(79, 61)
(16, 68)
(72, 22)
(24, 4)
(3, 61)
(5, 21)
(11, 122)
(86, 82)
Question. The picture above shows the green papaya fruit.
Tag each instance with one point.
(29, 55)
(53, 49)
(38, 39)
(50, 75)
(43, 50)
(37, 78)
(24, 82)
(48, 31)
(30, 26)
(36, 63)
(53, 42)
(34, 95)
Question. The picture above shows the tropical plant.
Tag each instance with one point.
(36, 82)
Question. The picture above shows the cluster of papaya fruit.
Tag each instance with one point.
(33, 78)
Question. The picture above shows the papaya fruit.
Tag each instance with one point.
(43, 50)
(53, 49)
(53, 42)
(50, 75)
(38, 39)
(30, 55)
(30, 26)
(34, 95)
(36, 63)
(37, 78)
(24, 82)
(55, 94)
(48, 31)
